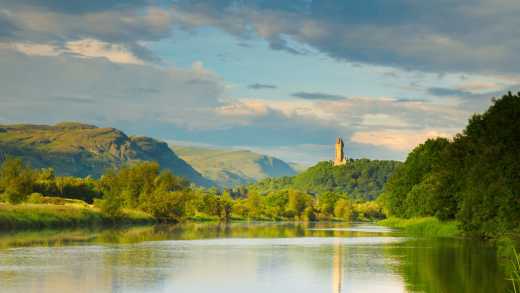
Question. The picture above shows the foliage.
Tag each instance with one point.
(362, 179)
(16, 180)
(69, 214)
(67, 186)
(411, 191)
(515, 274)
(427, 226)
(167, 205)
(474, 179)
(143, 186)
(367, 211)
(343, 209)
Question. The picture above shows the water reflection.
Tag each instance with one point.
(337, 275)
(261, 257)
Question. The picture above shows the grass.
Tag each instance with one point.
(37, 216)
(427, 226)
(515, 273)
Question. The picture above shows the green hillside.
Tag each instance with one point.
(84, 150)
(361, 179)
(228, 168)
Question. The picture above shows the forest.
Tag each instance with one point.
(144, 187)
(473, 178)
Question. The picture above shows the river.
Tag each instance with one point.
(245, 257)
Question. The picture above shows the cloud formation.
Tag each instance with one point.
(126, 25)
(99, 91)
(473, 36)
(95, 61)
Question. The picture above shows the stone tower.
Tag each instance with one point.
(340, 156)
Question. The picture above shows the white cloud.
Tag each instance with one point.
(94, 48)
(399, 140)
(246, 109)
(84, 48)
(385, 120)
(37, 49)
(98, 90)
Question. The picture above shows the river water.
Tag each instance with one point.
(246, 257)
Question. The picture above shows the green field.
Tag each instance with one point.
(35, 216)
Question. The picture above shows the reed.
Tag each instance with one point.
(515, 272)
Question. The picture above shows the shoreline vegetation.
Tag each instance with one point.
(142, 192)
(424, 226)
(30, 216)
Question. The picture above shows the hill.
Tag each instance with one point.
(361, 179)
(229, 168)
(82, 150)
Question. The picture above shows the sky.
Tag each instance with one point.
(283, 78)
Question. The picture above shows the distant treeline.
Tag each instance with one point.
(143, 186)
(474, 178)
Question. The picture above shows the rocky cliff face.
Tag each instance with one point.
(86, 150)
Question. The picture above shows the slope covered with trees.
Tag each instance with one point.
(361, 179)
(474, 178)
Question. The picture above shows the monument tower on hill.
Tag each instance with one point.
(340, 155)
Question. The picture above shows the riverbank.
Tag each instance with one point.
(427, 226)
(37, 216)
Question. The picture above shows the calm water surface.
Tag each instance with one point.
(262, 257)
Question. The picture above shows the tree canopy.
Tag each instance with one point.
(474, 178)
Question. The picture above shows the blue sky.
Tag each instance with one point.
(278, 77)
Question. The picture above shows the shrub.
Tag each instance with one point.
(167, 206)
(343, 209)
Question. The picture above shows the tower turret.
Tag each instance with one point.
(340, 155)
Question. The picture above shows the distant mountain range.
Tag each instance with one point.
(228, 168)
(77, 149)
(84, 150)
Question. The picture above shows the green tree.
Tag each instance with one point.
(327, 201)
(276, 203)
(343, 209)
(16, 180)
(297, 202)
(474, 179)
(255, 205)
(420, 163)
(167, 205)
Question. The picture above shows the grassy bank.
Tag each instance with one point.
(35, 216)
(427, 226)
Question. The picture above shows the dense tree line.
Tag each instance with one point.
(474, 178)
(18, 181)
(143, 186)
